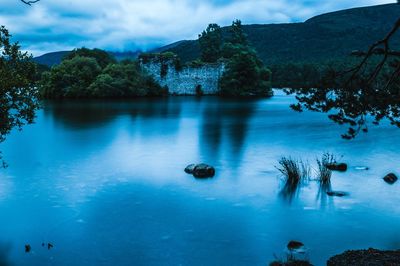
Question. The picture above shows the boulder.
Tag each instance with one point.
(190, 168)
(390, 178)
(370, 257)
(203, 171)
(292, 245)
(342, 167)
(337, 193)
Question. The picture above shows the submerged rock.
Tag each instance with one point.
(190, 168)
(361, 168)
(203, 171)
(337, 193)
(342, 167)
(293, 245)
(371, 257)
(390, 178)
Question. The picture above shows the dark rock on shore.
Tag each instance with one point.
(370, 257)
(341, 167)
(203, 171)
(390, 178)
(337, 193)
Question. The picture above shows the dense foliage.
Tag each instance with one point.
(210, 41)
(86, 73)
(245, 74)
(18, 96)
(296, 75)
(102, 57)
(124, 80)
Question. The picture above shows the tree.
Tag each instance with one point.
(102, 57)
(245, 74)
(238, 37)
(210, 41)
(18, 96)
(124, 80)
(70, 79)
(370, 89)
(81, 75)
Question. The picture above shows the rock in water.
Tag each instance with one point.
(390, 178)
(342, 167)
(362, 168)
(190, 168)
(293, 245)
(337, 193)
(203, 171)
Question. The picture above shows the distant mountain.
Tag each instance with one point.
(50, 59)
(321, 38)
(55, 58)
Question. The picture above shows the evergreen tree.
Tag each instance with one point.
(245, 74)
(210, 41)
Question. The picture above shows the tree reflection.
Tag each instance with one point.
(5, 249)
(290, 190)
(92, 113)
(225, 122)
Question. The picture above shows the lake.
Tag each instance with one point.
(104, 183)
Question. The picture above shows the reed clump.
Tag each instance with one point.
(324, 174)
(293, 170)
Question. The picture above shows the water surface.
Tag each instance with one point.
(104, 182)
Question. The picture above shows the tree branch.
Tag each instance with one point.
(30, 2)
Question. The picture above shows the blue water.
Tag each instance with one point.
(104, 183)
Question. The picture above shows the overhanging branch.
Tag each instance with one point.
(29, 2)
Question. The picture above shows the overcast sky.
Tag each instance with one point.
(122, 25)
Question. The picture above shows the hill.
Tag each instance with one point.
(319, 39)
(51, 59)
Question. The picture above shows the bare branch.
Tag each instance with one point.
(30, 2)
(374, 49)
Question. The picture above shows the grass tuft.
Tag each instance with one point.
(294, 171)
(323, 173)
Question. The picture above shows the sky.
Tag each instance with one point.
(129, 25)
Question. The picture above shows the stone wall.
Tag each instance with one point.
(185, 81)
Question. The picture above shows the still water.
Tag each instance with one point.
(104, 183)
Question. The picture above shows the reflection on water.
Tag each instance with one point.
(104, 182)
(290, 190)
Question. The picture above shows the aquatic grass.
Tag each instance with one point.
(293, 170)
(323, 173)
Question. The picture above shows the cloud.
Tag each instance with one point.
(120, 25)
